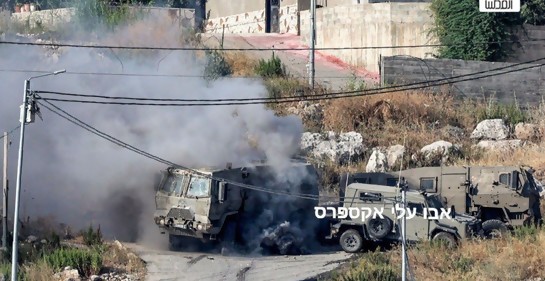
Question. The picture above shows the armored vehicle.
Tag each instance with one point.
(502, 197)
(223, 206)
(426, 218)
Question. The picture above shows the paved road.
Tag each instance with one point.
(202, 266)
(330, 71)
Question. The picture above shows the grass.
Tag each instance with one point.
(516, 257)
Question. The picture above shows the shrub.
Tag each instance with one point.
(271, 68)
(92, 238)
(87, 262)
(510, 113)
(216, 66)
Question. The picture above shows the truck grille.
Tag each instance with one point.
(180, 213)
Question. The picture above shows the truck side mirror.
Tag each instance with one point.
(221, 191)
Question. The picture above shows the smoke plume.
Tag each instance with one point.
(80, 178)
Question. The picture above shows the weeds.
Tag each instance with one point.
(87, 262)
(216, 66)
(92, 237)
(271, 68)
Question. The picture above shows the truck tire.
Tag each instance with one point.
(351, 241)
(378, 228)
(228, 237)
(174, 242)
(494, 229)
(447, 239)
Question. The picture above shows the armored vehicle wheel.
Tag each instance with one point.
(494, 229)
(174, 242)
(378, 228)
(351, 241)
(446, 238)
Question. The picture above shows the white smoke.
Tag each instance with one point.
(80, 178)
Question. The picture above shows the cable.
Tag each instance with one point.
(248, 49)
(291, 99)
(148, 74)
(10, 132)
(95, 131)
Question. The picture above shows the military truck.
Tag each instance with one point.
(503, 197)
(219, 205)
(424, 218)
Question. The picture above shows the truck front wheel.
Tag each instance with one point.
(351, 241)
(174, 242)
(446, 239)
(494, 229)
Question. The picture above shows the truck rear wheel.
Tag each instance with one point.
(446, 238)
(351, 241)
(494, 229)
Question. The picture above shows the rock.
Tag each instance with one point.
(394, 154)
(454, 132)
(68, 274)
(95, 278)
(338, 148)
(491, 129)
(378, 161)
(500, 145)
(443, 149)
(527, 132)
(31, 239)
(308, 111)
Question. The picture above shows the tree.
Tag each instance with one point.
(533, 12)
(462, 29)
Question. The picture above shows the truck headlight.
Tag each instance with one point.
(199, 227)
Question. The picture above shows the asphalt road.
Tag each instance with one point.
(210, 265)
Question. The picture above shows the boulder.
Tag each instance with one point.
(378, 162)
(308, 111)
(394, 154)
(338, 148)
(452, 132)
(500, 145)
(490, 129)
(441, 149)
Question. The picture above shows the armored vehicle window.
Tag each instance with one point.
(367, 196)
(173, 184)
(198, 187)
(505, 179)
(362, 180)
(418, 208)
(427, 184)
(391, 181)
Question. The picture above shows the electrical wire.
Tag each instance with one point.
(249, 101)
(10, 132)
(252, 49)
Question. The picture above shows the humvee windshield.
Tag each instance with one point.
(434, 202)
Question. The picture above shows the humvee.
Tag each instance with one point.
(211, 205)
(502, 197)
(354, 232)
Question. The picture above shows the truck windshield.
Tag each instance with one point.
(434, 202)
(198, 187)
(173, 185)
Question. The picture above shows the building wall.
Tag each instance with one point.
(254, 22)
(380, 24)
(527, 85)
(530, 50)
(222, 8)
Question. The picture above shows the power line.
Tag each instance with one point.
(10, 132)
(252, 49)
(148, 74)
(110, 138)
(293, 99)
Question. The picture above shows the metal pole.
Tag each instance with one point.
(14, 251)
(403, 236)
(312, 41)
(5, 198)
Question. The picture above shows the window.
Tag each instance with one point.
(367, 196)
(418, 208)
(198, 187)
(362, 180)
(427, 184)
(505, 179)
(173, 184)
(392, 181)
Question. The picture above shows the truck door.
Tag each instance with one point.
(417, 227)
(453, 189)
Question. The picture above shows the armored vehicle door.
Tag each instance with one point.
(453, 189)
(417, 226)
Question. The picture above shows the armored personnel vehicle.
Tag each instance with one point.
(222, 205)
(502, 197)
(424, 218)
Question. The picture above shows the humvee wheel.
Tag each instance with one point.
(494, 229)
(351, 241)
(446, 238)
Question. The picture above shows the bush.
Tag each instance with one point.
(509, 113)
(92, 238)
(87, 262)
(374, 266)
(216, 66)
(271, 68)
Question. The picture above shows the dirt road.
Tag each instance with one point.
(166, 265)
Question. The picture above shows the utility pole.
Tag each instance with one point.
(28, 110)
(5, 198)
(404, 233)
(312, 42)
